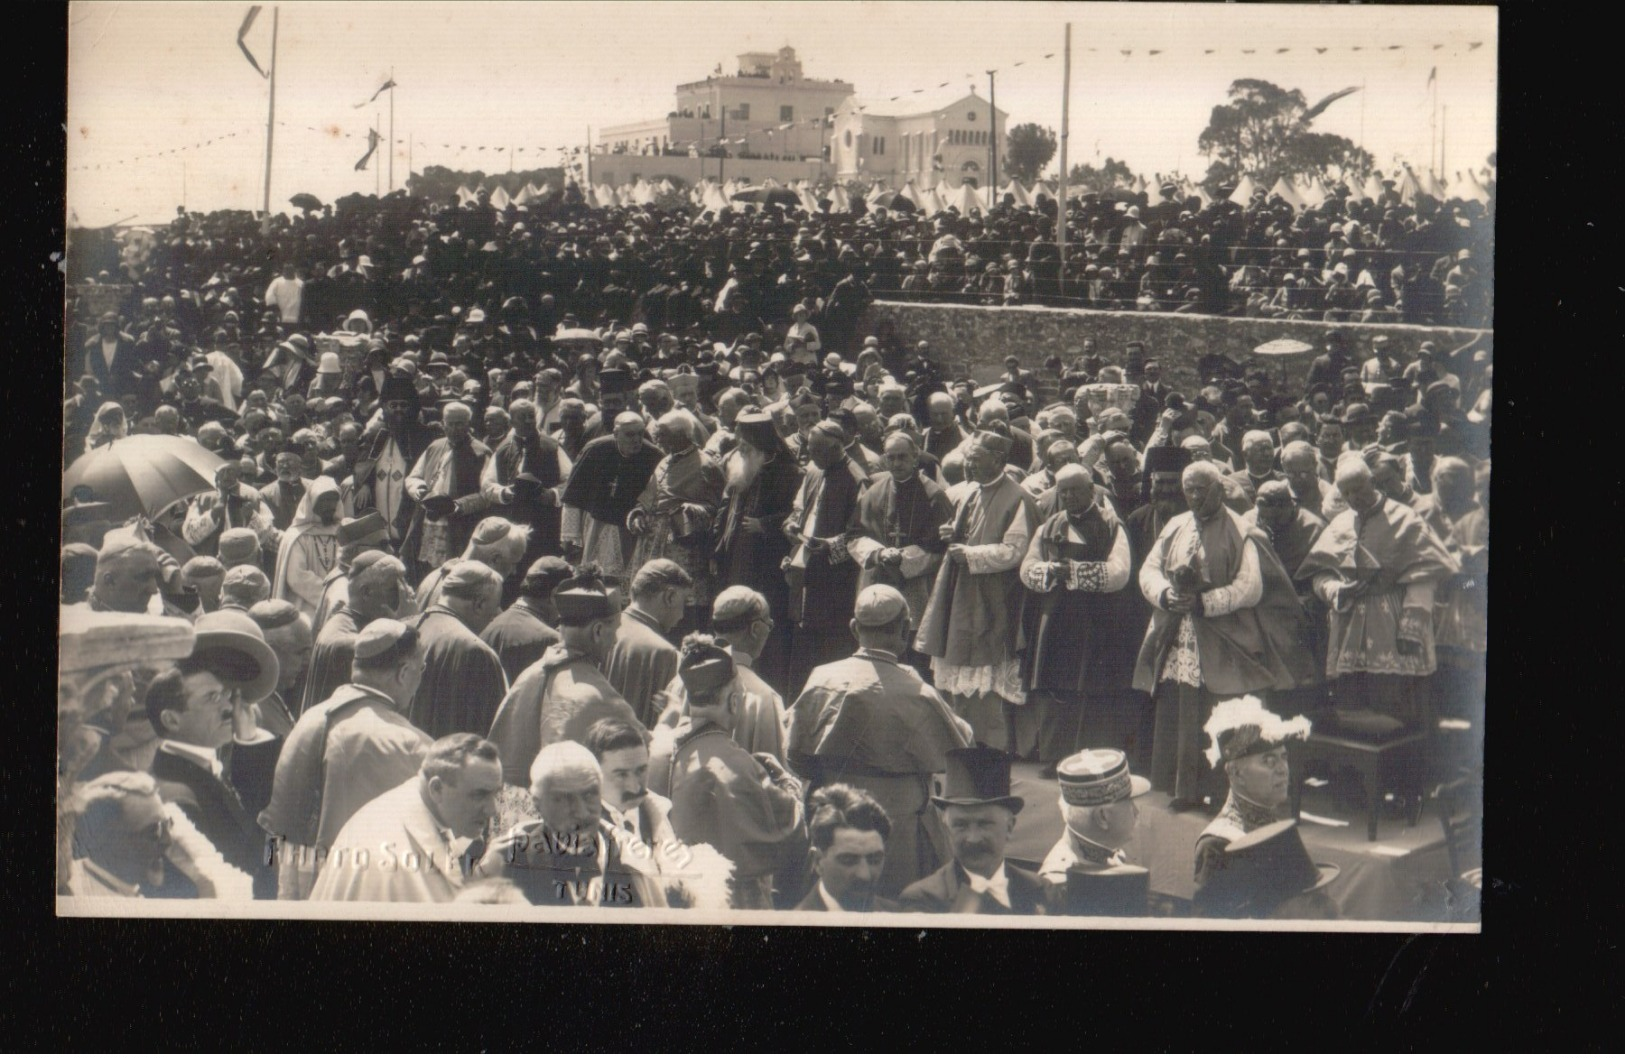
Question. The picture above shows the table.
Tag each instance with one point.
(1400, 878)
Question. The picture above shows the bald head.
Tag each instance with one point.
(674, 433)
(992, 410)
(1353, 480)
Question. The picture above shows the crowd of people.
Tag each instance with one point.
(597, 559)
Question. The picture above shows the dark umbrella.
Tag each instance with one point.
(306, 201)
(144, 473)
(897, 202)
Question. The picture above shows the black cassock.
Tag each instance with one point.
(754, 559)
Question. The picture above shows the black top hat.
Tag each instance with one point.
(977, 776)
(1265, 867)
(1115, 892)
(613, 380)
(1166, 459)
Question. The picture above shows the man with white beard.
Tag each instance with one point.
(763, 478)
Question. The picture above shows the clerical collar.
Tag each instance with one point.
(876, 652)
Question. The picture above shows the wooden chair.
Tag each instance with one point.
(1460, 807)
(1396, 764)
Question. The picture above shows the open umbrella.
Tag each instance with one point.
(1283, 347)
(144, 474)
(306, 201)
(895, 201)
(767, 196)
(577, 334)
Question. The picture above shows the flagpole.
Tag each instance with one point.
(392, 128)
(270, 116)
(379, 170)
(1444, 141)
(1066, 126)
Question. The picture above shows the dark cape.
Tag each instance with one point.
(520, 637)
(463, 682)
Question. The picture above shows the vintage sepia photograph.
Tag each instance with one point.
(875, 464)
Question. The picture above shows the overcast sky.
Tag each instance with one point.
(150, 77)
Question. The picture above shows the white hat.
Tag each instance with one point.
(329, 365)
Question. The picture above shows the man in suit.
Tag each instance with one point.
(849, 830)
(980, 815)
(201, 705)
(111, 356)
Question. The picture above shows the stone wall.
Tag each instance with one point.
(975, 339)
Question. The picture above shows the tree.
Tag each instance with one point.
(1265, 132)
(1112, 173)
(1028, 148)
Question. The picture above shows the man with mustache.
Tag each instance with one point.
(849, 830)
(980, 815)
(640, 818)
(570, 857)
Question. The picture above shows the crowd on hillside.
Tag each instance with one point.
(598, 558)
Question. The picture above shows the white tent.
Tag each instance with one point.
(713, 198)
(499, 199)
(912, 193)
(465, 196)
(665, 186)
(526, 196)
(770, 182)
(1373, 187)
(1312, 191)
(1470, 188)
(808, 201)
(1044, 188)
(642, 193)
(1139, 186)
(964, 198)
(930, 202)
(1287, 193)
(839, 200)
(878, 192)
(1434, 186)
(1016, 192)
(1409, 187)
(1245, 189)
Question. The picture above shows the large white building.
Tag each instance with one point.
(768, 110)
(942, 140)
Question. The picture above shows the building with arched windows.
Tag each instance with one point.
(943, 141)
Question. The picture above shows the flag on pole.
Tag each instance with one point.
(373, 140)
(1433, 75)
(1316, 110)
(386, 86)
(248, 22)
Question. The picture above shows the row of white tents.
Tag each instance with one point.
(714, 196)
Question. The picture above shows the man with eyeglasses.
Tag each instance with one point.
(198, 707)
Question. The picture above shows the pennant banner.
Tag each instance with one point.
(385, 87)
(248, 22)
(372, 145)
